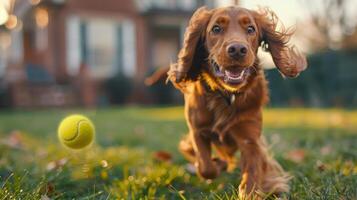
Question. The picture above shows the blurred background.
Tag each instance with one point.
(59, 57)
(88, 53)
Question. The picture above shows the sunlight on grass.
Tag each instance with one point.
(166, 114)
(311, 118)
(122, 163)
(278, 118)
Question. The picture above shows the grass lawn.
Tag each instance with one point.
(317, 147)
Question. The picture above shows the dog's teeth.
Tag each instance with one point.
(241, 74)
(226, 79)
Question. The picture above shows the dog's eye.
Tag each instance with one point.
(250, 30)
(216, 29)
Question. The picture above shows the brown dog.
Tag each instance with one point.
(225, 89)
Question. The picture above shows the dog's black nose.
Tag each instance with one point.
(237, 50)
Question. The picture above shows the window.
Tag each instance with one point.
(128, 48)
(73, 46)
(5, 42)
(100, 47)
(104, 45)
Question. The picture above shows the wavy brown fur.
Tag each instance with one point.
(214, 122)
(287, 59)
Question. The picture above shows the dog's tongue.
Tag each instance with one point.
(234, 74)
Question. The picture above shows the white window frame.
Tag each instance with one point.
(128, 46)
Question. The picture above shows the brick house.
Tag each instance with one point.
(63, 51)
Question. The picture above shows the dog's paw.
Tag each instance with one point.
(208, 171)
(220, 164)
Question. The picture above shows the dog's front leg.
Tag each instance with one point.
(260, 172)
(206, 167)
(199, 120)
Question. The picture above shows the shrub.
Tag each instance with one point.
(118, 88)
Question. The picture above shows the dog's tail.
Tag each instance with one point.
(159, 74)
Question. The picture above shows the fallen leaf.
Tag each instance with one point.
(297, 155)
(163, 156)
(47, 190)
(56, 164)
(320, 166)
(14, 140)
(326, 150)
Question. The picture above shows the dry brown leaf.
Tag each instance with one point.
(297, 155)
(326, 150)
(56, 164)
(14, 140)
(47, 190)
(163, 156)
(320, 166)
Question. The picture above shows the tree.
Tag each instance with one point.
(334, 22)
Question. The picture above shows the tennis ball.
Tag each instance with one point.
(76, 131)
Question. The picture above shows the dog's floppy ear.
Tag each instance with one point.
(192, 53)
(289, 61)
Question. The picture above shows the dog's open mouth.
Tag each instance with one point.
(234, 77)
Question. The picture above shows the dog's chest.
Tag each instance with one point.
(222, 110)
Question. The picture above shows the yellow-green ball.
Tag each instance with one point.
(76, 131)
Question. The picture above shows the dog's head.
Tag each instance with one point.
(223, 44)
